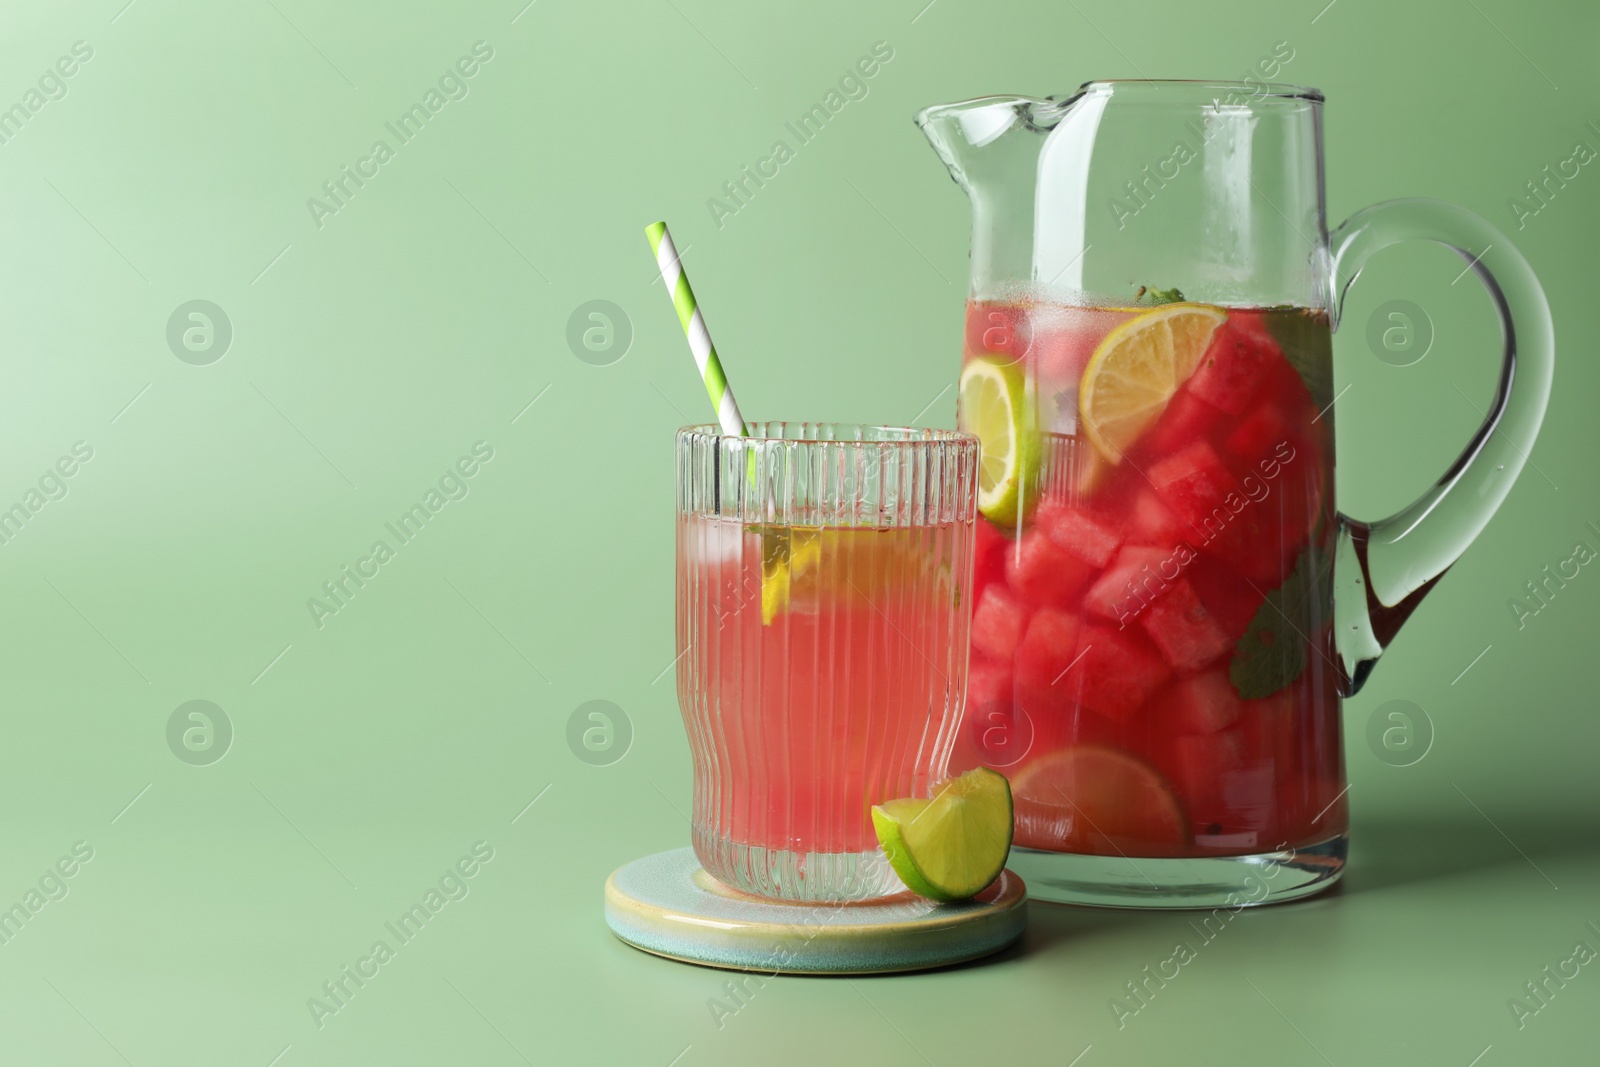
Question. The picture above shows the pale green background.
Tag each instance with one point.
(426, 715)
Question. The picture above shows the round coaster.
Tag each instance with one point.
(665, 904)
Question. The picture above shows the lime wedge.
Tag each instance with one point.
(952, 845)
(993, 405)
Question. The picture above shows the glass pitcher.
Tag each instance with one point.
(1168, 606)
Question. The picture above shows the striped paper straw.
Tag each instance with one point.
(694, 328)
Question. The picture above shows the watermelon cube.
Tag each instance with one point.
(1226, 791)
(1131, 583)
(1047, 650)
(1076, 531)
(1197, 764)
(1043, 573)
(989, 547)
(1151, 522)
(1187, 634)
(989, 718)
(1255, 437)
(1238, 361)
(997, 622)
(1232, 601)
(1264, 540)
(1202, 703)
(1265, 727)
(1120, 670)
(1187, 419)
(1046, 689)
(988, 684)
(1197, 486)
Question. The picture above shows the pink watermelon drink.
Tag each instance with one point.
(1152, 662)
(823, 661)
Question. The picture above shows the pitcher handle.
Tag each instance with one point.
(1384, 569)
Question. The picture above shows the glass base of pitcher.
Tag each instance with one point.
(1190, 882)
(802, 877)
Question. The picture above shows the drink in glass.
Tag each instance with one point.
(822, 615)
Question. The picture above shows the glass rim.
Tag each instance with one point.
(892, 435)
(1251, 89)
(1162, 91)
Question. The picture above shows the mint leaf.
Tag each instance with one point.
(1307, 342)
(1272, 652)
(1148, 297)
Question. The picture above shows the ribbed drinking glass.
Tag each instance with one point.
(823, 603)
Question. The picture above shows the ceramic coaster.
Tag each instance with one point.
(666, 905)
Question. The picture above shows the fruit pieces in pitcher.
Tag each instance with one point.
(1110, 611)
(1098, 800)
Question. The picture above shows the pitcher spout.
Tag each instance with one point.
(966, 133)
(992, 147)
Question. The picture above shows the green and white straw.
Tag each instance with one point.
(694, 328)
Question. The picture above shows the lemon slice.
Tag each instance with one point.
(788, 553)
(993, 405)
(1099, 801)
(1137, 368)
(952, 845)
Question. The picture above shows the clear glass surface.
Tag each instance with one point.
(1165, 624)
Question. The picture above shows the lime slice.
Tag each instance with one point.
(993, 404)
(952, 845)
(1137, 368)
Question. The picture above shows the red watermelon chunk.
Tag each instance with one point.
(1132, 581)
(989, 547)
(1186, 420)
(1194, 483)
(1046, 689)
(1202, 704)
(1264, 540)
(1263, 430)
(988, 684)
(1080, 727)
(1043, 573)
(1120, 671)
(991, 726)
(1232, 601)
(1226, 789)
(1198, 764)
(1248, 771)
(1181, 627)
(1078, 532)
(997, 622)
(1235, 365)
(1152, 522)
(1262, 724)
(1047, 649)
